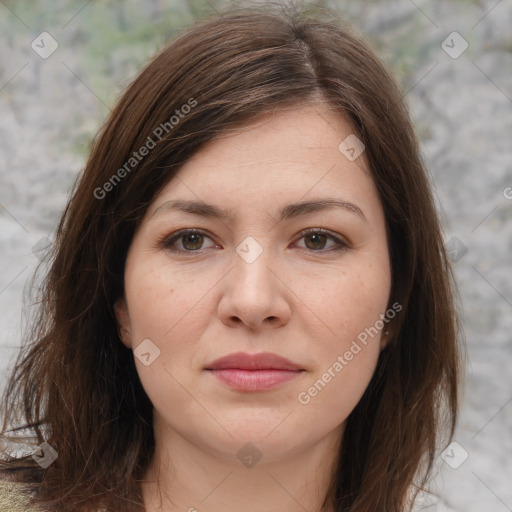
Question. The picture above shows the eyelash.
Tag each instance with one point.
(168, 241)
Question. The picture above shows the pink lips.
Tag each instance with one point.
(258, 372)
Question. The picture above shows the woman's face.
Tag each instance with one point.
(249, 280)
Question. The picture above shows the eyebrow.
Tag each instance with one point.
(290, 211)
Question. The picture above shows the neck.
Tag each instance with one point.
(194, 479)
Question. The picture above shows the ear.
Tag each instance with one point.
(123, 322)
(386, 337)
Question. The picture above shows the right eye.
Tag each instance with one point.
(190, 240)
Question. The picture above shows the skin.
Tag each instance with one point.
(300, 298)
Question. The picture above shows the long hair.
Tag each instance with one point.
(75, 384)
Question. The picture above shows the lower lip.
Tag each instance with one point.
(254, 380)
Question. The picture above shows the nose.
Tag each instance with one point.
(255, 294)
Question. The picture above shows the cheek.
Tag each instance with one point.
(345, 368)
(352, 305)
(162, 302)
(345, 302)
(332, 395)
(163, 308)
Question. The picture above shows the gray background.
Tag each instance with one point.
(461, 103)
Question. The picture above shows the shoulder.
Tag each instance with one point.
(15, 496)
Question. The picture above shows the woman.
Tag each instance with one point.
(249, 303)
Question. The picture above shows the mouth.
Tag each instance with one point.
(258, 372)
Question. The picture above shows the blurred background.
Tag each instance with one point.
(64, 64)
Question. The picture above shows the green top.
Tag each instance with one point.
(14, 497)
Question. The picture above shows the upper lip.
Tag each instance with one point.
(261, 361)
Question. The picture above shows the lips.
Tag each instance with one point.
(261, 361)
(258, 372)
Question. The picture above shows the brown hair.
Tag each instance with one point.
(75, 384)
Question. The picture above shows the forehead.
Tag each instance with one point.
(283, 157)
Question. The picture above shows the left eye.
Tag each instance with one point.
(319, 237)
(192, 240)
